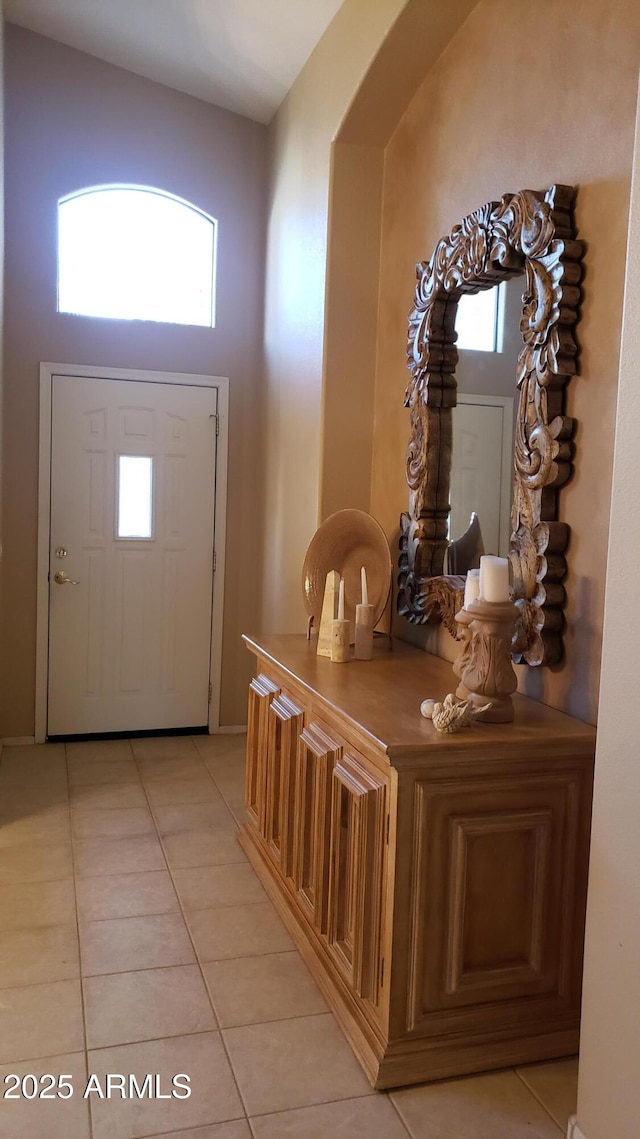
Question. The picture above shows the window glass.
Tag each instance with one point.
(135, 496)
(136, 254)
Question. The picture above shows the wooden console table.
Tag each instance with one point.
(434, 884)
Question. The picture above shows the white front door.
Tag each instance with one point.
(131, 557)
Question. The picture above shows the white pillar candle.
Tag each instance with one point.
(341, 600)
(494, 578)
(471, 587)
(365, 594)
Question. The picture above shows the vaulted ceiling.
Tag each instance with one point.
(240, 54)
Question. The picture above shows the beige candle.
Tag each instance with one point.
(494, 578)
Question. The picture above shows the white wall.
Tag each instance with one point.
(609, 1083)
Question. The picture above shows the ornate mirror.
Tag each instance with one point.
(530, 234)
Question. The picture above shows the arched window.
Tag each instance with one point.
(136, 253)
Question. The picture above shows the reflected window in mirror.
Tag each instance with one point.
(480, 320)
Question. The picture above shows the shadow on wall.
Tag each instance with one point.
(584, 638)
(586, 642)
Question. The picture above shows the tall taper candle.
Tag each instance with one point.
(364, 600)
(341, 600)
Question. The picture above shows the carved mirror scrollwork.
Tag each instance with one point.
(532, 233)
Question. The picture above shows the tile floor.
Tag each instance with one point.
(135, 938)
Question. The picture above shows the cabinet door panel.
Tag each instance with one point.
(261, 693)
(494, 912)
(358, 826)
(285, 725)
(317, 754)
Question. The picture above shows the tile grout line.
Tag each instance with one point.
(186, 925)
(539, 1100)
(199, 1127)
(75, 896)
(398, 1112)
(372, 1095)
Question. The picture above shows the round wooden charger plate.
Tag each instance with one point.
(346, 541)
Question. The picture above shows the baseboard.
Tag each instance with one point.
(223, 730)
(574, 1131)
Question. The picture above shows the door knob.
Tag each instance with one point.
(62, 578)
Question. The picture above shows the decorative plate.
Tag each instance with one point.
(346, 541)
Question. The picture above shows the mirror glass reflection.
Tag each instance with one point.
(489, 342)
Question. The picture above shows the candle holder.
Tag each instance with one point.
(463, 620)
(340, 647)
(487, 672)
(363, 649)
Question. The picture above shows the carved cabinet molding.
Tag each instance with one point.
(531, 232)
(285, 725)
(355, 874)
(261, 693)
(317, 755)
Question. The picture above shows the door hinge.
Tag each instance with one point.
(214, 561)
(210, 693)
(382, 973)
(217, 419)
(388, 821)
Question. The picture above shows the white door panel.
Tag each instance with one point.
(129, 645)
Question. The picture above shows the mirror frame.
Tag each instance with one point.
(531, 232)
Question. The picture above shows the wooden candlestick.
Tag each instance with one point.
(487, 672)
(364, 632)
(463, 620)
(340, 647)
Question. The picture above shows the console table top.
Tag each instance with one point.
(381, 698)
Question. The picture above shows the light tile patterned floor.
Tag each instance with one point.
(135, 938)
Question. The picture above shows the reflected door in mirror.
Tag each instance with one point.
(481, 470)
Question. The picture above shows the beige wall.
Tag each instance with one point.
(300, 139)
(609, 1088)
(327, 144)
(523, 96)
(1, 264)
(417, 38)
(73, 121)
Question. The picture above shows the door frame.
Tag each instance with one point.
(47, 372)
